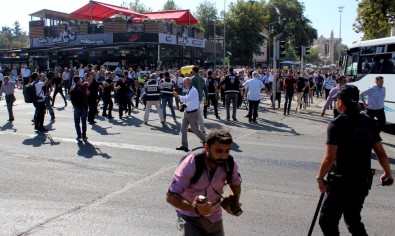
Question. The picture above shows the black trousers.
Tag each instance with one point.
(379, 114)
(60, 91)
(344, 198)
(107, 104)
(212, 99)
(92, 108)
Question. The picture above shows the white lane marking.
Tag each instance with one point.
(144, 148)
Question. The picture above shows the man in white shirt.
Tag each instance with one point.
(25, 74)
(253, 88)
(191, 114)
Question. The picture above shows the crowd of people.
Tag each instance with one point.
(132, 87)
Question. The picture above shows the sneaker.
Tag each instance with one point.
(104, 115)
(42, 129)
(110, 117)
(78, 139)
(146, 122)
(218, 117)
(234, 119)
(185, 149)
(227, 119)
(84, 138)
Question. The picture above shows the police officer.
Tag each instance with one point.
(152, 92)
(212, 87)
(167, 89)
(351, 138)
(232, 90)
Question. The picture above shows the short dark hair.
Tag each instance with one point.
(210, 73)
(349, 95)
(167, 74)
(220, 135)
(34, 76)
(195, 69)
(231, 70)
(379, 77)
(76, 79)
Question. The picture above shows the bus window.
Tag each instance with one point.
(351, 65)
(377, 64)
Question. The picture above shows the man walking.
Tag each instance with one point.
(253, 88)
(212, 87)
(333, 96)
(347, 161)
(39, 104)
(167, 88)
(375, 104)
(232, 90)
(8, 88)
(152, 92)
(289, 89)
(78, 97)
(191, 101)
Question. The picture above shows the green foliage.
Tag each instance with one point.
(206, 15)
(137, 6)
(170, 5)
(13, 37)
(375, 18)
(244, 24)
(313, 56)
(286, 19)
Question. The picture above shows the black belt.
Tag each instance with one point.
(191, 111)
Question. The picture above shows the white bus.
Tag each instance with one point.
(367, 59)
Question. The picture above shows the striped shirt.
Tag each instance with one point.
(375, 96)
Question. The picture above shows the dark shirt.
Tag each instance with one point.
(93, 89)
(289, 84)
(107, 90)
(354, 134)
(300, 84)
(124, 87)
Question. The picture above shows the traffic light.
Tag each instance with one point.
(307, 51)
(282, 48)
(298, 51)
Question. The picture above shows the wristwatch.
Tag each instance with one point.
(319, 180)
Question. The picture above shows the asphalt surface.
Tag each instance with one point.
(115, 183)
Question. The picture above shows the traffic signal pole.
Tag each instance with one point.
(274, 86)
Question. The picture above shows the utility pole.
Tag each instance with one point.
(274, 86)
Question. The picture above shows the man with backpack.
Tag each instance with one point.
(78, 97)
(197, 187)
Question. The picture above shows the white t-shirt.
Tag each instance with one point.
(254, 87)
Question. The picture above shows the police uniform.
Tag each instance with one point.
(167, 90)
(212, 85)
(152, 93)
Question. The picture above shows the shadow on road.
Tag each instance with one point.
(88, 150)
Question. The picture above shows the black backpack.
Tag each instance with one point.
(200, 161)
(29, 92)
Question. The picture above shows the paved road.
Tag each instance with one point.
(115, 183)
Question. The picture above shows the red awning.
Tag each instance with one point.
(181, 17)
(99, 11)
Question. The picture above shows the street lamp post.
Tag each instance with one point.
(224, 33)
(269, 33)
(340, 29)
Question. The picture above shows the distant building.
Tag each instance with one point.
(327, 48)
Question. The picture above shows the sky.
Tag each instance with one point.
(324, 14)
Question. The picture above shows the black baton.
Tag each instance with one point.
(317, 210)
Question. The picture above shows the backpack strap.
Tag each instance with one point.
(200, 161)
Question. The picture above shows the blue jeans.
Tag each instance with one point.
(167, 100)
(288, 100)
(80, 115)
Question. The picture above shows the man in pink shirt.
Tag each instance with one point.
(198, 204)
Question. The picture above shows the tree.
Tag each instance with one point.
(375, 18)
(17, 31)
(137, 6)
(244, 24)
(207, 16)
(287, 20)
(170, 5)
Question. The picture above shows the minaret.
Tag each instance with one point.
(332, 49)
